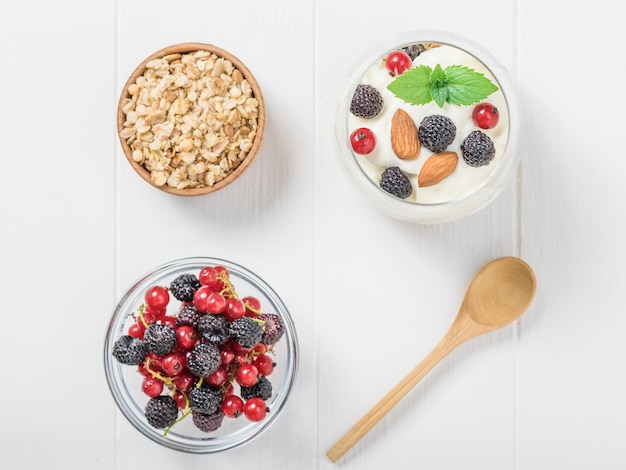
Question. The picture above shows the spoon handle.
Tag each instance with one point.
(460, 331)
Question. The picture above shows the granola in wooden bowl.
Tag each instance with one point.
(191, 119)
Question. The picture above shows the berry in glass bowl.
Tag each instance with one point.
(201, 376)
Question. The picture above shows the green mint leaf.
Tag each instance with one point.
(438, 86)
(466, 86)
(457, 85)
(439, 94)
(413, 86)
(438, 76)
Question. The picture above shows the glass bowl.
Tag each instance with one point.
(125, 381)
(464, 190)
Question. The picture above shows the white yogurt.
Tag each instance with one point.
(465, 179)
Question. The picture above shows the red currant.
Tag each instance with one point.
(157, 297)
(238, 348)
(247, 375)
(235, 308)
(147, 319)
(136, 330)
(168, 320)
(485, 116)
(227, 355)
(152, 386)
(255, 409)
(218, 378)
(260, 348)
(180, 400)
(143, 371)
(264, 364)
(200, 298)
(173, 363)
(398, 62)
(184, 381)
(222, 271)
(213, 277)
(155, 361)
(207, 275)
(232, 406)
(215, 303)
(242, 358)
(363, 140)
(156, 312)
(186, 337)
(253, 305)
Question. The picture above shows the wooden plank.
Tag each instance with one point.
(572, 412)
(58, 231)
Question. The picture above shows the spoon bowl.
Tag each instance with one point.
(500, 292)
(498, 295)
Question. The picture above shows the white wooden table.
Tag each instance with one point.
(370, 295)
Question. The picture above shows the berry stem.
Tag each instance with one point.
(229, 288)
(254, 310)
(166, 380)
(141, 316)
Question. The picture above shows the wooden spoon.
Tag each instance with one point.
(498, 295)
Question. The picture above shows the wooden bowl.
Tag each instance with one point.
(171, 156)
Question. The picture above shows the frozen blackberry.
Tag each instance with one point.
(213, 328)
(161, 411)
(205, 399)
(184, 286)
(188, 315)
(367, 102)
(273, 328)
(436, 132)
(395, 182)
(129, 350)
(414, 50)
(262, 389)
(159, 338)
(478, 149)
(245, 331)
(204, 359)
(207, 422)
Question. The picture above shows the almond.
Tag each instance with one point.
(438, 167)
(404, 139)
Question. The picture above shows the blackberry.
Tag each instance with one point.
(207, 422)
(161, 411)
(159, 338)
(262, 389)
(414, 50)
(367, 102)
(395, 182)
(273, 328)
(436, 132)
(204, 359)
(188, 315)
(205, 399)
(245, 331)
(129, 350)
(184, 286)
(213, 328)
(478, 149)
